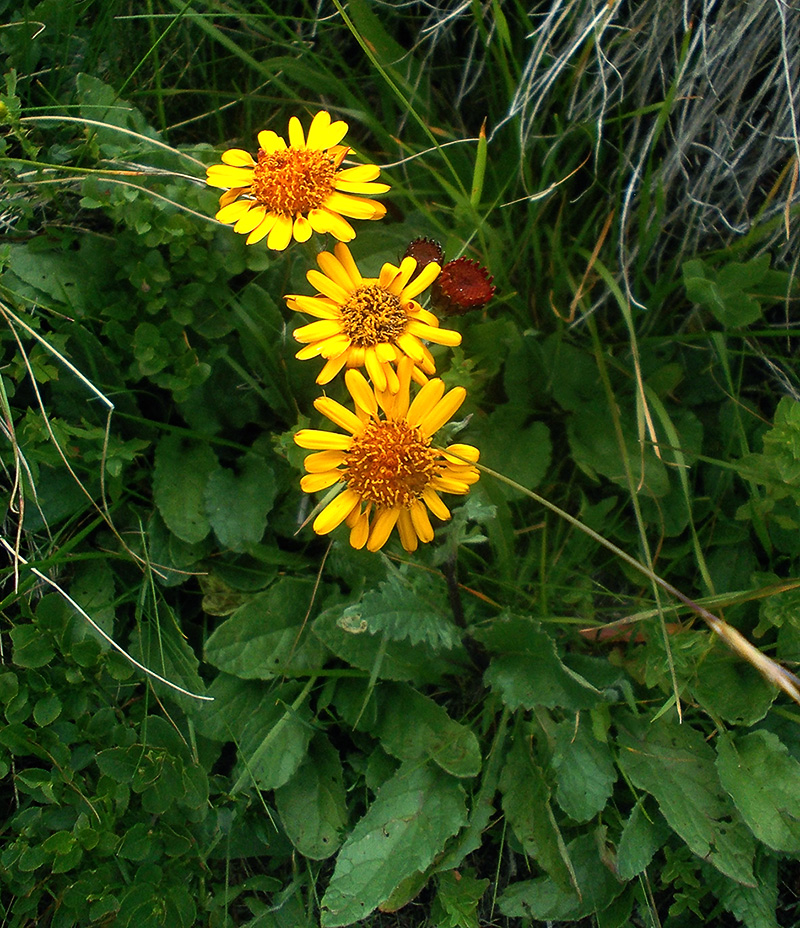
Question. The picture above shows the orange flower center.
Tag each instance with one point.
(294, 180)
(373, 316)
(390, 464)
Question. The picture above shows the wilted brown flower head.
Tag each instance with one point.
(462, 286)
(424, 251)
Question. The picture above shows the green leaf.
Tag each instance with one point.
(754, 906)
(182, 470)
(526, 671)
(732, 293)
(413, 727)
(585, 771)
(641, 837)
(237, 504)
(401, 833)
(312, 804)
(763, 779)
(47, 710)
(390, 660)
(674, 764)
(266, 637)
(31, 648)
(401, 613)
(546, 899)
(526, 804)
(526, 457)
(731, 688)
(457, 898)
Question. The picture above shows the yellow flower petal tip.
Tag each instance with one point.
(391, 472)
(296, 189)
(370, 322)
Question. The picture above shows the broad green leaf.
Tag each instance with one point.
(642, 836)
(312, 804)
(584, 768)
(407, 825)
(547, 900)
(526, 804)
(731, 688)
(730, 294)
(182, 470)
(237, 504)
(271, 754)
(413, 727)
(30, 647)
(526, 458)
(763, 780)
(755, 906)
(594, 446)
(398, 611)
(674, 764)
(350, 640)
(93, 588)
(526, 671)
(64, 279)
(266, 637)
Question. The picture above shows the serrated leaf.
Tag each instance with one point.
(526, 804)
(754, 906)
(407, 825)
(674, 764)
(390, 660)
(237, 504)
(585, 771)
(265, 637)
(312, 804)
(526, 671)
(182, 470)
(399, 612)
(763, 780)
(413, 727)
(457, 898)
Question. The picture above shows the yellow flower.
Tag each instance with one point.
(369, 322)
(292, 191)
(391, 473)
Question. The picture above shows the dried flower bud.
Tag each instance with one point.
(424, 251)
(462, 286)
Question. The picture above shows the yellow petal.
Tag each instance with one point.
(382, 526)
(332, 268)
(331, 369)
(339, 227)
(467, 452)
(221, 175)
(317, 440)
(314, 483)
(325, 134)
(262, 229)
(425, 401)
(443, 411)
(335, 345)
(434, 503)
(281, 233)
(347, 261)
(375, 369)
(270, 142)
(359, 531)
(361, 173)
(323, 461)
(314, 350)
(352, 207)
(321, 307)
(336, 512)
(421, 522)
(296, 137)
(238, 157)
(250, 220)
(362, 393)
(315, 331)
(449, 485)
(348, 186)
(327, 286)
(301, 231)
(405, 528)
(424, 279)
(437, 336)
(338, 414)
(234, 211)
(411, 346)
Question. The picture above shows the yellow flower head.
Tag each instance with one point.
(369, 322)
(392, 474)
(291, 191)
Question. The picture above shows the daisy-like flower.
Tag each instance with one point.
(290, 191)
(369, 322)
(392, 474)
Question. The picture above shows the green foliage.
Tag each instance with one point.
(484, 732)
